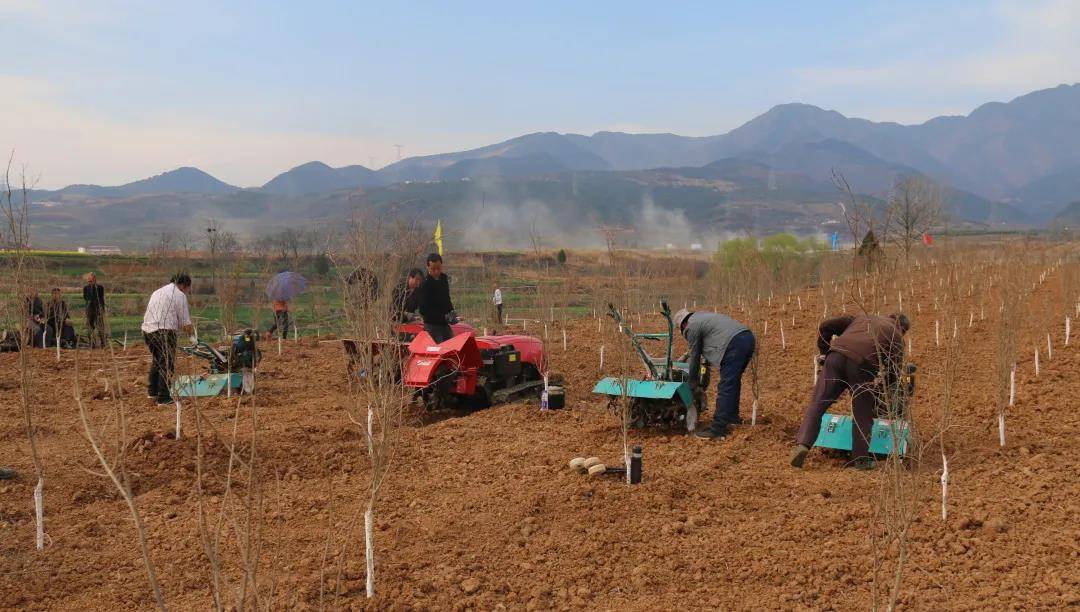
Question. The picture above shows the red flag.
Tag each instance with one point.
(927, 239)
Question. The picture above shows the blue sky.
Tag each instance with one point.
(112, 91)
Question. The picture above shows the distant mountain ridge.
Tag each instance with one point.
(1018, 159)
(181, 180)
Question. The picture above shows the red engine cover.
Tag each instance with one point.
(459, 354)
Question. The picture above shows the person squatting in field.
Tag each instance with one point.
(727, 344)
(436, 309)
(856, 349)
(58, 321)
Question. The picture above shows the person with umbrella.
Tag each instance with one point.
(282, 288)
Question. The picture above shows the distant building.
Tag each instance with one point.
(100, 250)
(696, 246)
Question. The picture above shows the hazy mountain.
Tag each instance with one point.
(1005, 163)
(181, 180)
(317, 177)
(532, 164)
(1047, 195)
(556, 146)
(1069, 217)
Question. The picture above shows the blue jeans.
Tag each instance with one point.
(737, 356)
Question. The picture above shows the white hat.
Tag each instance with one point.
(679, 317)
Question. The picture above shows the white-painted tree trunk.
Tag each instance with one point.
(1049, 348)
(369, 551)
(937, 333)
(279, 345)
(39, 512)
(564, 340)
(58, 342)
(783, 340)
(125, 340)
(813, 362)
(1001, 427)
(1036, 362)
(1068, 330)
(177, 419)
(944, 487)
(601, 357)
(1012, 386)
(753, 413)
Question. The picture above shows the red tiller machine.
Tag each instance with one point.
(476, 372)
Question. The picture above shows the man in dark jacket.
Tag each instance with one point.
(58, 321)
(728, 345)
(436, 309)
(94, 296)
(35, 320)
(406, 296)
(863, 347)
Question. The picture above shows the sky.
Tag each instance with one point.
(111, 91)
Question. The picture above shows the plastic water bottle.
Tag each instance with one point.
(544, 395)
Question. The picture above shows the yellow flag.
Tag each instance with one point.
(438, 236)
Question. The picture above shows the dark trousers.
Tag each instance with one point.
(281, 323)
(737, 356)
(65, 331)
(839, 374)
(498, 307)
(162, 345)
(95, 328)
(439, 332)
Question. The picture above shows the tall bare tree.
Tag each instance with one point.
(914, 208)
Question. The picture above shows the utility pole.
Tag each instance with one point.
(211, 239)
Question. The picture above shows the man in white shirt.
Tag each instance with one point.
(497, 299)
(166, 313)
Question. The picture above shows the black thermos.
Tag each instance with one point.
(635, 465)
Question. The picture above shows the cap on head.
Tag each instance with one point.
(902, 320)
(680, 317)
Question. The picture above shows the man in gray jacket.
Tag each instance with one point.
(726, 344)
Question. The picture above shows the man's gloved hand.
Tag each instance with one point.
(408, 317)
(193, 340)
(452, 317)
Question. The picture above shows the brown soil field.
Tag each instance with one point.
(481, 512)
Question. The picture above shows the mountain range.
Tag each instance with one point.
(1014, 163)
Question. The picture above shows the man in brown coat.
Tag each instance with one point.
(863, 346)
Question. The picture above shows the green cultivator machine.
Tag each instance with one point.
(891, 431)
(230, 369)
(664, 397)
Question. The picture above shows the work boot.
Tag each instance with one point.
(798, 455)
(7, 473)
(863, 464)
(712, 432)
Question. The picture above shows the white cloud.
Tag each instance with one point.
(1039, 47)
(64, 145)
